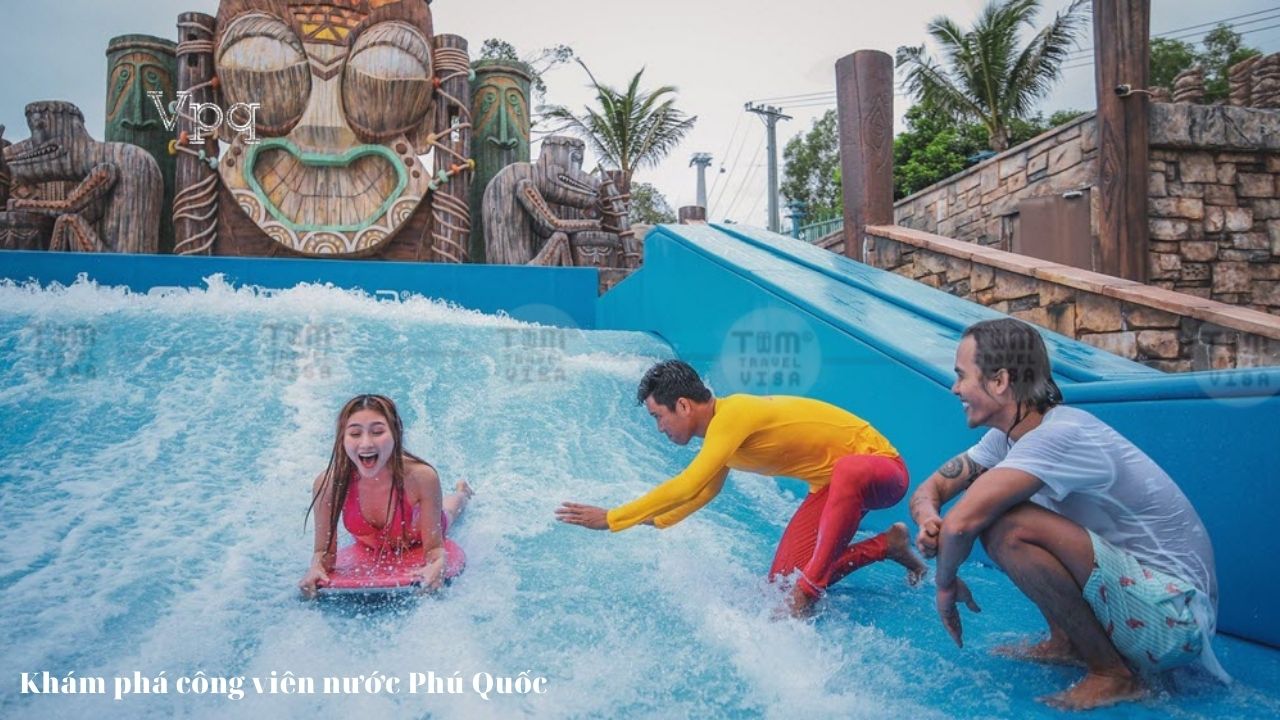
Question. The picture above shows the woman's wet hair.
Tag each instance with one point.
(669, 381)
(1017, 348)
(341, 469)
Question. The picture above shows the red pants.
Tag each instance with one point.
(816, 541)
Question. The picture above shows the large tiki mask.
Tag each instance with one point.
(345, 89)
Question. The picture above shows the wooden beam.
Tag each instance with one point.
(1121, 41)
(864, 104)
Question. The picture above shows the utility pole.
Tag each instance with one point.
(702, 160)
(771, 116)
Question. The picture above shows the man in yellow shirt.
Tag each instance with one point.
(849, 466)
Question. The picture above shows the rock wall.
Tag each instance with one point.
(1214, 197)
(1167, 330)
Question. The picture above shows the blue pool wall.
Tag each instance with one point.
(558, 296)
(887, 349)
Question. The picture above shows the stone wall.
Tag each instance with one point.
(1167, 330)
(978, 204)
(1214, 212)
(1214, 207)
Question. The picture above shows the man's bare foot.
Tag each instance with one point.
(1095, 691)
(900, 552)
(1053, 651)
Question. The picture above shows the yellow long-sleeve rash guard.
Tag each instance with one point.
(775, 435)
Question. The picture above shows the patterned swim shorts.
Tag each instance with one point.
(1146, 613)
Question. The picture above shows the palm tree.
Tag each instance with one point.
(627, 129)
(990, 79)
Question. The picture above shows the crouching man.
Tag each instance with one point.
(1084, 523)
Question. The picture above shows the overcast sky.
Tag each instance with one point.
(719, 54)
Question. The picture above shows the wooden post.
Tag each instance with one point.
(450, 214)
(864, 102)
(195, 204)
(692, 215)
(1121, 31)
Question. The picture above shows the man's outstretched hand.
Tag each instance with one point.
(588, 516)
(949, 613)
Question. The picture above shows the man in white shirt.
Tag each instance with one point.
(1082, 521)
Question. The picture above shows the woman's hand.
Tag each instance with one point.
(316, 577)
(431, 575)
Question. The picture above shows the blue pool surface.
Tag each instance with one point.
(160, 452)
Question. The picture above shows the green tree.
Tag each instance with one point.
(539, 62)
(627, 129)
(990, 79)
(935, 146)
(1222, 49)
(1168, 58)
(649, 206)
(811, 168)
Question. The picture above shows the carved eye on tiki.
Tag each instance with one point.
(388, 82)
(260, 60)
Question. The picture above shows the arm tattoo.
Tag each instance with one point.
(961, 468)
(953, 468)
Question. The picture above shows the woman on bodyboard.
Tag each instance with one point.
(390, 501)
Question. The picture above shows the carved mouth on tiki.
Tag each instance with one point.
(308, 192)
(47, 151)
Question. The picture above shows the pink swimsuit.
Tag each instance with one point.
(398, 526)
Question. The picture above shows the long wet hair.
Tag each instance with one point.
(337, 476)
(1017, 348)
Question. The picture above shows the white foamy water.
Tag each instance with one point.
(159, 453)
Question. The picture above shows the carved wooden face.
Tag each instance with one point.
(502, 111)
(57, 128)
(131, 76)
(559, 173)
(343, 87)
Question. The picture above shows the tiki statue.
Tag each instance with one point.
(137, 65)
(114, 201)
(550, 212)
(500, 116)
(352, 93)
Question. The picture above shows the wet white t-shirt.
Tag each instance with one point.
(1095, 477)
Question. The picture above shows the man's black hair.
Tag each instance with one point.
(1017, 348)
(669, 381)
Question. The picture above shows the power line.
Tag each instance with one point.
(1242, 33)
(1273, 13)
(751, 174)
(727, 147)
(733, 170)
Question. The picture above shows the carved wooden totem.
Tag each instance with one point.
(500, 113)
(137, 65)
(113, 203)
(351, 93)
(549, 213)
(19, 230)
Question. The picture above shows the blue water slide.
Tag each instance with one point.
(883, 346)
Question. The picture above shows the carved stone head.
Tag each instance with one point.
(345, 89)
(559, 174)
(56, 148)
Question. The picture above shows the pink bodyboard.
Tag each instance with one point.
(362, 569)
